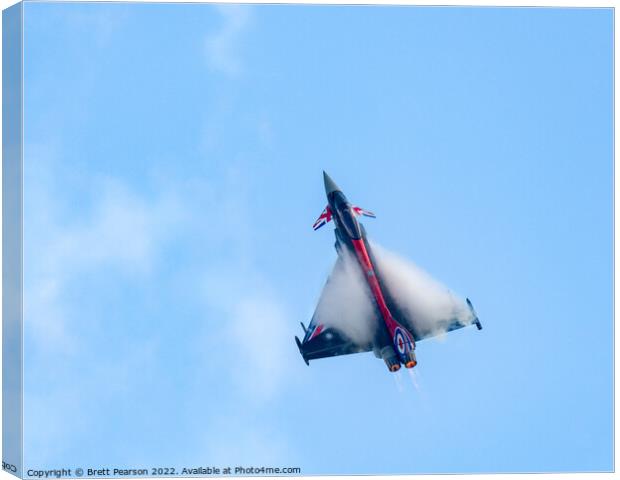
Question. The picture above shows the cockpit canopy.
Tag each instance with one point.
(345, 216)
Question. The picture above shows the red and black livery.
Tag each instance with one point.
(395, 334)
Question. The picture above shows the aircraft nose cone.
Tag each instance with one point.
(330, 185)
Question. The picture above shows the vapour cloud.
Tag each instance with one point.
(430, 304)
(347, 304)
(222, 46)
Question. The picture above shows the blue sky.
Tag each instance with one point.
(173, 158)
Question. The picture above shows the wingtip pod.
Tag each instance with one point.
(298, 342)
(476, 319)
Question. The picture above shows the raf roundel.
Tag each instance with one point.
(400, 341)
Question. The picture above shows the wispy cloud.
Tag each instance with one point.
(101, 23)
(67, 407)
(254, 330)
(223, 46)
(245, 441)
(122, 233)
(117, 229)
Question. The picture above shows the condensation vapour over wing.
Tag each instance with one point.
(429, 304)
(346, 302)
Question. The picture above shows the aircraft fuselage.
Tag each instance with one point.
(350, 235)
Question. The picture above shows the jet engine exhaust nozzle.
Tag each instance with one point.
(410, 360)
(390, 359)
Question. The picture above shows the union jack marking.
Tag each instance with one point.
(325, 217)
(360, 211)
(315, 331)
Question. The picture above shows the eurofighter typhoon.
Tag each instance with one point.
(382, 317)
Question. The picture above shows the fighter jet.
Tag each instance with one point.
(394, 328)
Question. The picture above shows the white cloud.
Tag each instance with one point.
(101, 23)
(222, 47)
(117, 229)
(255, 330)
(122, 228)
(243, 441)
(62, 409)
